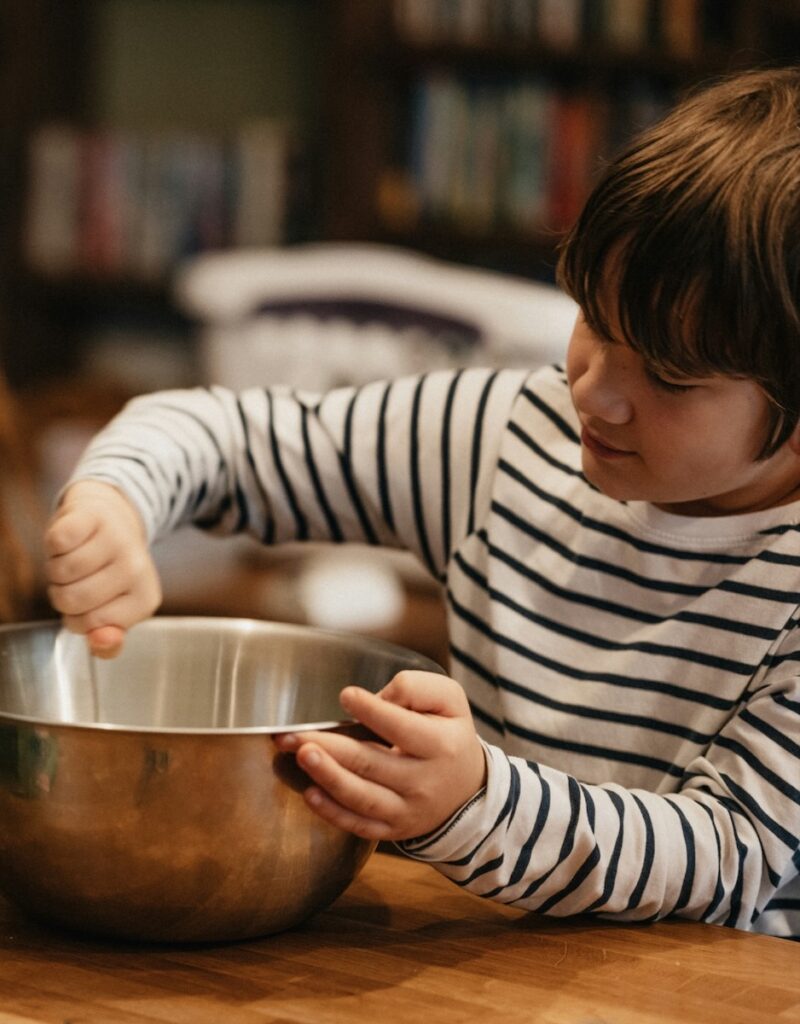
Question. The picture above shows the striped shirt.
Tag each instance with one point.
(632, 673)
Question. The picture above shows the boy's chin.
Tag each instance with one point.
(606, 483)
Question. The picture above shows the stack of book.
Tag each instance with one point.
(112, 204)
(682, 28)
(517, 156)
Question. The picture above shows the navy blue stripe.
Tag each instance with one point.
(778, 558)
(596, 714)
(623, 611)
(613, 531)
(647, 858)
(780, 529)
(719, 888)
(774, 660)
(542, 453)
(145, 459)
(470, 662)
(426, 841)
(383, 476)
(507, 811)
(346, 462)
(778, 781)
(526, 850)
(614, 679)
(738, 886)
(566, 845)
(416, 479)
(188, 414)
(587, 522)
(301, 523)
(483, 869)
(483, 716)
(558, 421)
(199, 497)
(332, 522)
(608, 568)
(603, 643)
(691, 861)
(445, 457)
(577, 880)
(210, 522)
(476, 449)
(757, 812)
(787, 702)
(592, 750)
(764, 593)
(251, 462)
(613, 863)
(147, 498)
(778, 737)
(591, 712)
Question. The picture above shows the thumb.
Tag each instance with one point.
(106, 641)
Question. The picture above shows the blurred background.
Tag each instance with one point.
(144, 139)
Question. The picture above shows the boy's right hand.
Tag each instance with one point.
(100, 574)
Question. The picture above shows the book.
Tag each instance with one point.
(52, 218)
(261, 160)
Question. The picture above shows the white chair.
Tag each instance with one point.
(325, 314)
(317, 316)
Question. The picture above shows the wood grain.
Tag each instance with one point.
(404, 945)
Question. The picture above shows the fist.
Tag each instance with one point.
(98, 567)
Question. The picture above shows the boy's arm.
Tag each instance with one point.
(717, 850)
(401, 463)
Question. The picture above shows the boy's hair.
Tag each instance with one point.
(693, 233)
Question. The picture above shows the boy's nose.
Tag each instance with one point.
(600, 394)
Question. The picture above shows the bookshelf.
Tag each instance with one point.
(137, 132)
(427, 123)
(491, 118)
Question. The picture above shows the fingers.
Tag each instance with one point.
(371, 761)
(100, 574)
(92, 591)
(123, 612)
(69, 529)
(347, 799)
(105, 641)
(405, 712)
(79, 562)
(341, 817)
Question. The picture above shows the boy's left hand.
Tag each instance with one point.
(434, 764)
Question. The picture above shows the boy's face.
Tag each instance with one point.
(688, 446)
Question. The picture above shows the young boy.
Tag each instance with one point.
(618, 544)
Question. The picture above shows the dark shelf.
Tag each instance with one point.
(593, 61)
(528, 255)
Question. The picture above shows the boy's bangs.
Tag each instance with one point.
(653, 290)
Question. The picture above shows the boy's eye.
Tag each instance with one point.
(674, 387)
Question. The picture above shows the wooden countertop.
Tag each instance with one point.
(405, 945)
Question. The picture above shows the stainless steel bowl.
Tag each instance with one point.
(144, 797)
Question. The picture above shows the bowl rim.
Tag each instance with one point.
(426, 664)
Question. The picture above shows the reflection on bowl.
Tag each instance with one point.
(144, 798)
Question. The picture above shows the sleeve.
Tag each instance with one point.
(404, 463)
(717, 850)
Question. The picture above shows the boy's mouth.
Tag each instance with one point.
(601, 448)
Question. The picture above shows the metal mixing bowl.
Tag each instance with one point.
(144, 797)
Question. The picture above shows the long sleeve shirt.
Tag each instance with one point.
(634, 675)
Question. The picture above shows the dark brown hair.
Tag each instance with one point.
(693, 233)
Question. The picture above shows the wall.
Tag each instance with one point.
(204, 64)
